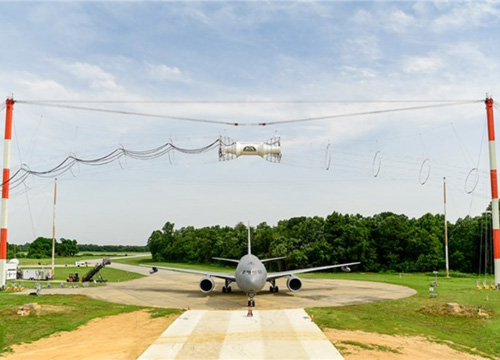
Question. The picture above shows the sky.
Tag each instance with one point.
(248, 63)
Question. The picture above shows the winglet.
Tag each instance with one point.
(249, 241)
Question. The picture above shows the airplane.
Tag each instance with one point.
(251, 275)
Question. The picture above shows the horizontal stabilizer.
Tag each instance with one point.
(272, 259)
(224, 259)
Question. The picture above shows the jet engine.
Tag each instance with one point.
(207, 284)
(294, 283)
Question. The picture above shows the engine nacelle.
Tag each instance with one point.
(207, 284)
(294, 284)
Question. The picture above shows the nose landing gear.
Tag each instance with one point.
(251, 301)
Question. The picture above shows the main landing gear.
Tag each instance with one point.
(251, 301)
(226, 288)
(273, 287)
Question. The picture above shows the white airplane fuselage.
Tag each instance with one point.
(250, 274)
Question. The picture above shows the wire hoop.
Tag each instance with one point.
(376, 164)
(423, 179)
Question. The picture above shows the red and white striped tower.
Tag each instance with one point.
(5, 189)
(494, 189)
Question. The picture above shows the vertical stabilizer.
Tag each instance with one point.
(249, 241)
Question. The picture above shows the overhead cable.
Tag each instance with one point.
(233, 123)
(24, 171)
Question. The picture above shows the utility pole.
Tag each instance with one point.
(446, 231)
(54, 229)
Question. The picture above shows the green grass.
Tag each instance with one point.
(73, 259)
(109, 274)
(422, 315)
(76, 310)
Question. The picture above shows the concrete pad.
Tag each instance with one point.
(180, 290)
(269, 334)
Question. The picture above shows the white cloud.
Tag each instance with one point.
(422, 64)
(165, 72)
(40, 86)
(399, 21)
(466, 15)
(97, 78)
(358, 72)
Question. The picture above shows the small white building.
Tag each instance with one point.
(12, 269)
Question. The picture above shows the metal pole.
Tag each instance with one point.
(446, 232)
(5, 189)
(54, 228)
(494, 189)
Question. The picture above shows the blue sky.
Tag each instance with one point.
(336, 53)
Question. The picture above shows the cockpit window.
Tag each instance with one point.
(251, 272)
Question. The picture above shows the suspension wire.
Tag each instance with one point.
(486, 251)
(483, 235)
(221, 122)
(247, 101)
(476, 169)
(123, 112)
(26, 192)
(465, 153)
(24, 171)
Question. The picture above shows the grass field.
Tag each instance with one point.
(57, 313)
(423, 315)
(109, 274)
(417, 315)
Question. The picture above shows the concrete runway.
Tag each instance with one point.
(180, 290)
(231, 335)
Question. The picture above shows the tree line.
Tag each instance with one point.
(41, 248)
(383, 242)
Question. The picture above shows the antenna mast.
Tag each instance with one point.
(9, 103)
(494, 189)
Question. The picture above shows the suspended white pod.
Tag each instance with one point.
(269, 150)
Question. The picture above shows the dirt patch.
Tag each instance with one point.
(358, 345)
(119, 337)
(456, 310)
(36, 309)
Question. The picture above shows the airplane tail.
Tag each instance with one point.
(249, 241)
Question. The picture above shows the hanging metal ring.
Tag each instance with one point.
(379, 164)
(420, 180)
(476, 180)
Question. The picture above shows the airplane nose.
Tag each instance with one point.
(256, 283)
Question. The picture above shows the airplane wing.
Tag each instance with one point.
(276, 275)
(201, 272)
